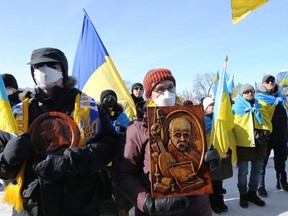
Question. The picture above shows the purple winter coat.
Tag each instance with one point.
(134, 172)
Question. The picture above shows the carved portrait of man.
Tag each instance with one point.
(53, 135)
(177, 145)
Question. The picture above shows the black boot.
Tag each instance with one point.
(278, 186)
(244, 200)
(222, 204)
(252, 197)
(215, 203)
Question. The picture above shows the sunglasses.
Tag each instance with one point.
(138, 88)
(53, 65)
(249, 91)
(270, 80)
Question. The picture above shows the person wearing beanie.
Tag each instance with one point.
(69, 178)
(275, 104)
(137, 91)
(11, 87)
(249, 116)
(134, 164)
(222, 173)
(120, 121)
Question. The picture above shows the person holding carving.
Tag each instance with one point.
(134, 165)
(52, 183)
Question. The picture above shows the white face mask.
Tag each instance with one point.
(46, 76)
(9, 91)
(166, 99)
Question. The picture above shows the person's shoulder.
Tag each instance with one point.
(138, 124)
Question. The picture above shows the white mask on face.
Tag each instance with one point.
(9, 91)
(166, 99)
(46, 76)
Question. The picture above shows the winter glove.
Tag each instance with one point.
(165, 206)
(71, 163)
(18, 150)
(212, 157)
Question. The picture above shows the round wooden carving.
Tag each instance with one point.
(53, 132)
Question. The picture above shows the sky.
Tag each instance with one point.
(188, 37)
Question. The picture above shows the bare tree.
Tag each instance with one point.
(203, 84)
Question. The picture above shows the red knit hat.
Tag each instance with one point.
(155, 76)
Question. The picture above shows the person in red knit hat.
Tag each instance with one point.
(134, 164)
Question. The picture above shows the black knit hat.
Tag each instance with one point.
(107, 92)
(9, 80)
(48, 54)
(135, 85)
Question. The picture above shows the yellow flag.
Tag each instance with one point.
(7, 120)
(241, 8)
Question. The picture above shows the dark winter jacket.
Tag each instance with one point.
(68, 184)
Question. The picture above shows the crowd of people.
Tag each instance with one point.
(68, 179)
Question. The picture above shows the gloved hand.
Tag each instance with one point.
(212, 157)
(18, 150)
(165, 206)
(71, 163)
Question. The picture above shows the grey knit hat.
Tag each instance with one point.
(246, 87)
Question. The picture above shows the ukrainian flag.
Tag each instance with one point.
(95, 70)
(7, 120)
(222, 124)
(241, 8)
(232, 88)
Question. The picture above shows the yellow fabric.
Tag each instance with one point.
(81, 116)
(107, 77)
(22, 116)
(12, 195)
(269, 108)
(223, 125)
(241, 8)
(244, 127)
(7, 120)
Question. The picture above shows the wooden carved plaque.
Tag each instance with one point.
(177, 147)
(53, 132)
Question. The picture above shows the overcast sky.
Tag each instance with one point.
(186, 36)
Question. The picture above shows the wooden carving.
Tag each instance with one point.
(53, 132)
(177, 148)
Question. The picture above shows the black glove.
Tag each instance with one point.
(165, 206)
(18, 150)
(212, 157)
(71, 163)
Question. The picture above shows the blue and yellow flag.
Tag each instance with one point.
(241, 8)
(232, 88)
(222, 123)
(270, 102)
(7, 120)
(95, 70)
(247, 118)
